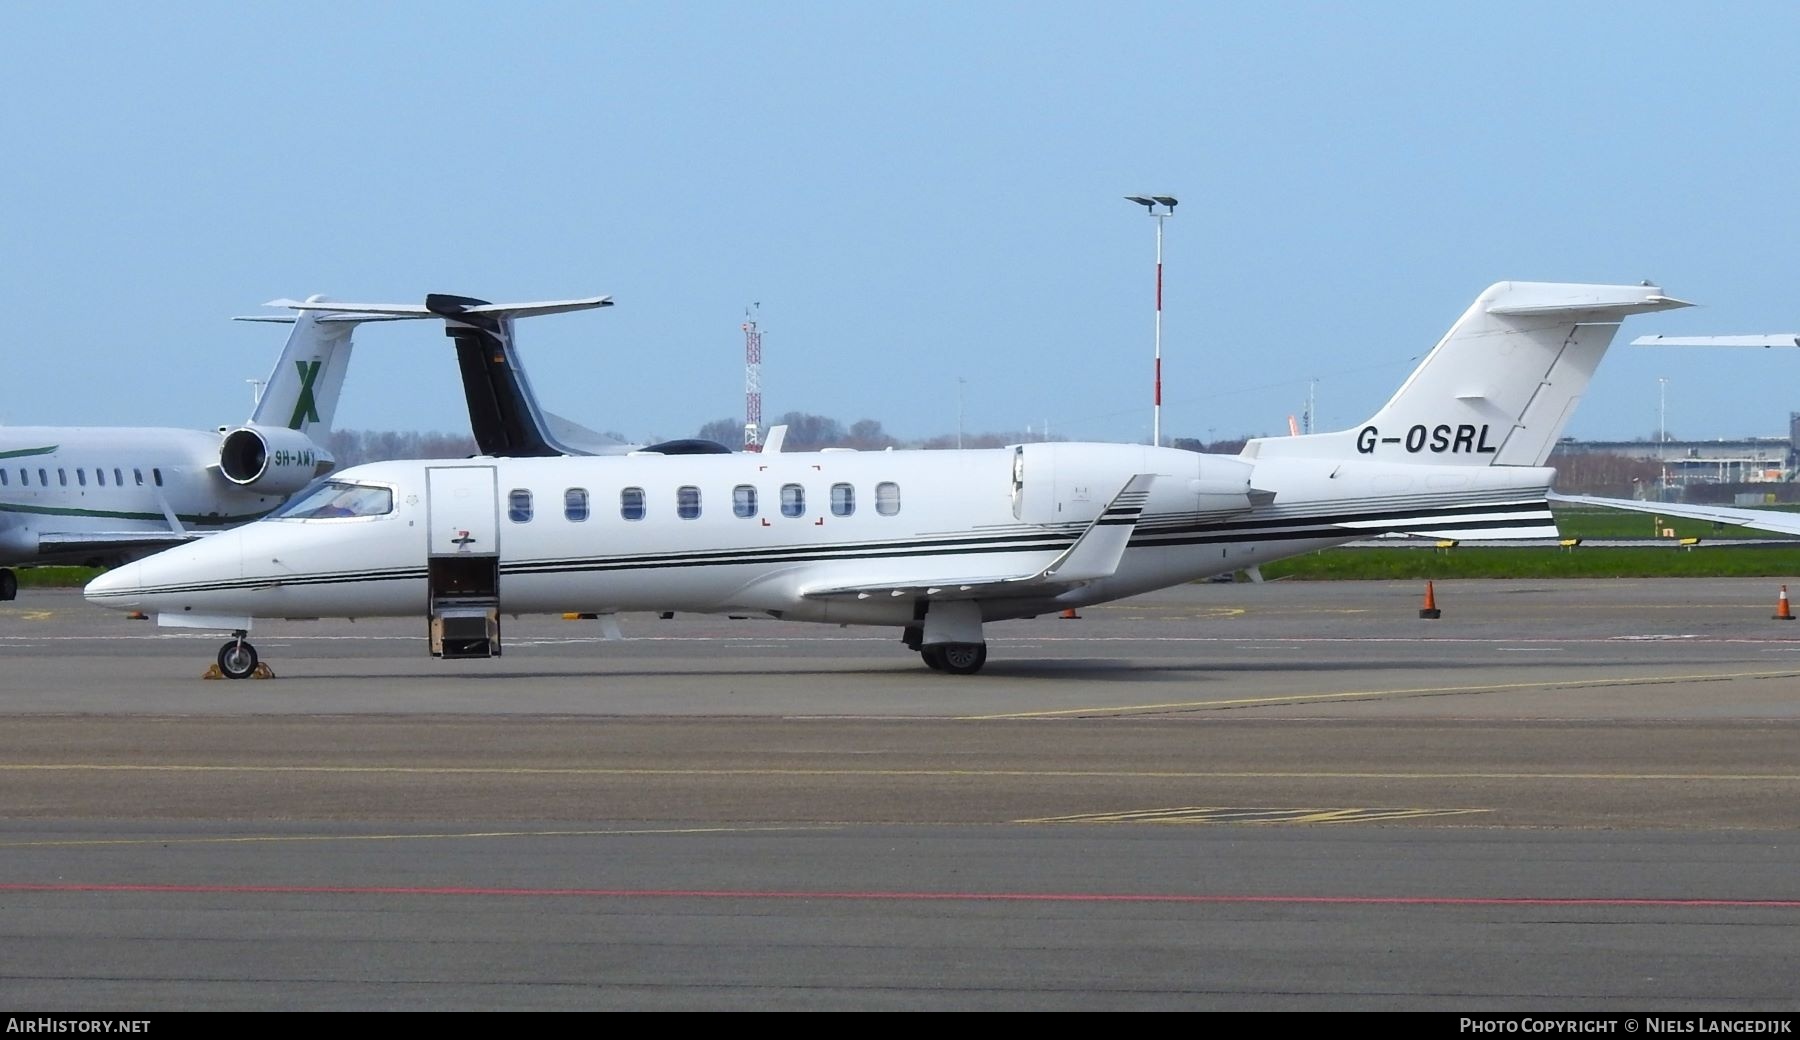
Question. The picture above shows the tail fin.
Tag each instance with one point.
(302, 391)
(504, 414)
(503, 411)
(1500, 386)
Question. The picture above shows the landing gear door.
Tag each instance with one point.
(463, 561)
(463, 511)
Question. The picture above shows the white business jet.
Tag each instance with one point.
(106, 494)
(934, 543)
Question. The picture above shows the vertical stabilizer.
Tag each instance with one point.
(302, 391)
(1500, 386)
(503, 411)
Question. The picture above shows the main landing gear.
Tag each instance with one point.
(9, 584)
(955, 658)
(237, 659)
(951, 658)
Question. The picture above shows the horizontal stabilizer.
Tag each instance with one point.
(329, 319)
(1779, 339)
(399, 311)
(1775, 520)
(1537, 298)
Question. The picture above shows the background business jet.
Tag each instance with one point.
(107, 494)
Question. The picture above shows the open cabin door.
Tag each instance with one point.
(463, 561)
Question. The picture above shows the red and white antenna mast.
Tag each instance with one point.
(1150, 202)
(752, 381)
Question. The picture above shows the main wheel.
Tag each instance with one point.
(9, 584)
(237, 659)
(934, 657)
(963, 658)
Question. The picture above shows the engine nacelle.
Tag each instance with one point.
(1223, 486)
(272, 459)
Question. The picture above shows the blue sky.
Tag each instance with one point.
(915, 193)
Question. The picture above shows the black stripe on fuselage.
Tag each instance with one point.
(1169, 536)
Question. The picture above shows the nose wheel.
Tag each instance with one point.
(237, 659)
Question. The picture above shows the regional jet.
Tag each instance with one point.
(935, 544)
(104, 495)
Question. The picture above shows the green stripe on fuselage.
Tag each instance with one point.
(211, 520)
(19, 453)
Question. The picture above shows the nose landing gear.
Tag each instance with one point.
(237, 660)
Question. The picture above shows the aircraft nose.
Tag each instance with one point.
(113, 588)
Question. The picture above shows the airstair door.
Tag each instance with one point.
(463, 561)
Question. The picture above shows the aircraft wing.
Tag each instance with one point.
(1094, 555)
(1759, 519)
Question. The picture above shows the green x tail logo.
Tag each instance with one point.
(305, 410)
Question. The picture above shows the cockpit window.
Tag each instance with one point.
(335, 498)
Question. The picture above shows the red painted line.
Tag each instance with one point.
(973, 897)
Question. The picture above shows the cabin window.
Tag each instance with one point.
(2, 478)
(887, 498)
(81, 475)
(793, 500)
(119, 478)
(518, 506)
(575, 504)
(687, 502)
(743, 501)
(24, 477)
(62, 477)
(43, 477)
(156, 475)
(99, 476)
(337, 498)
(139, 474)
(631, 503)
(843, 500)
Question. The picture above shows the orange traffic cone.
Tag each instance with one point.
(1070, 615)
(1430, 610)
(1782, 613)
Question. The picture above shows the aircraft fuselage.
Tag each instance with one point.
(785, 534)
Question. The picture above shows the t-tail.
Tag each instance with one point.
(504, 414)
(1499, 388)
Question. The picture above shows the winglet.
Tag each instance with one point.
(1097, 552)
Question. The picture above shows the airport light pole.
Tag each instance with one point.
(1150, 204)
(1662, 432)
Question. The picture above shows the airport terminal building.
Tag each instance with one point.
(1747, 471)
